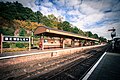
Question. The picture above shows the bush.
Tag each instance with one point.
(6, 45)
(20, 45)
(12, 45)
(14, 49)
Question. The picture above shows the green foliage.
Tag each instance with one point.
(12, 45)
(6, 27)
(89, 34)
(52, 17)
(6, 45)
(20, 45)
(65, 26)
(102, 39)
(8, 10)
(22, 32)
(7, 31)
(15, 10)
(38, 17)
(95, 36)
(53, 21)
(81, 32)
(75, 30)
(46, 21)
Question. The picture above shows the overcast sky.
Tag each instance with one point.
(96, 16)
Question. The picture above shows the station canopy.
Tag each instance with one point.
(47, 31)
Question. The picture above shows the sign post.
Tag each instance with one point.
(1, 45)
(14, 39)
(29, 45)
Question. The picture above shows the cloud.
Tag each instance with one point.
(52, 10)
(89, 21)
(87, 10)
(71, 3)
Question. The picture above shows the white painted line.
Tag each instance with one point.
(93, 68)
(29, 54)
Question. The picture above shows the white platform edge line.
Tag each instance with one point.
(21, 55)
(93, 68)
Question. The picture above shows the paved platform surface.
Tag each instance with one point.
(107, 69)
(26, 52)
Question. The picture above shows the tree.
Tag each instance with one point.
(39, 17)
(7, 31)
(54, 21)
(15, 10)
(95, 36)
(81, 32)
(46, 21)
(66, 26)
(102, 39)
(75, 30)
(52, 17)
(22, 32)
(89, 34)
(7, 27)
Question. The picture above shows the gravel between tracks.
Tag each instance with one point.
(75, 70)
(44, 69)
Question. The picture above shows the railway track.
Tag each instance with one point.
(69, 67)
(49, 66)
(38, 68)
(75, 70)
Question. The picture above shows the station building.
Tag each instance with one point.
(53, 38)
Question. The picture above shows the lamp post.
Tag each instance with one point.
(32, 38)
(113, 33)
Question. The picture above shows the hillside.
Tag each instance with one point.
(14, 16)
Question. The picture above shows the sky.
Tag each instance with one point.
(96, 16)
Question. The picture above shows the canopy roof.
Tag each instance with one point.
(59, 33)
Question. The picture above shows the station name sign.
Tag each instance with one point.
(15, 39)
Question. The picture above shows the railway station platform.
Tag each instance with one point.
(27, 52)
(54, 52)
(106, 68)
